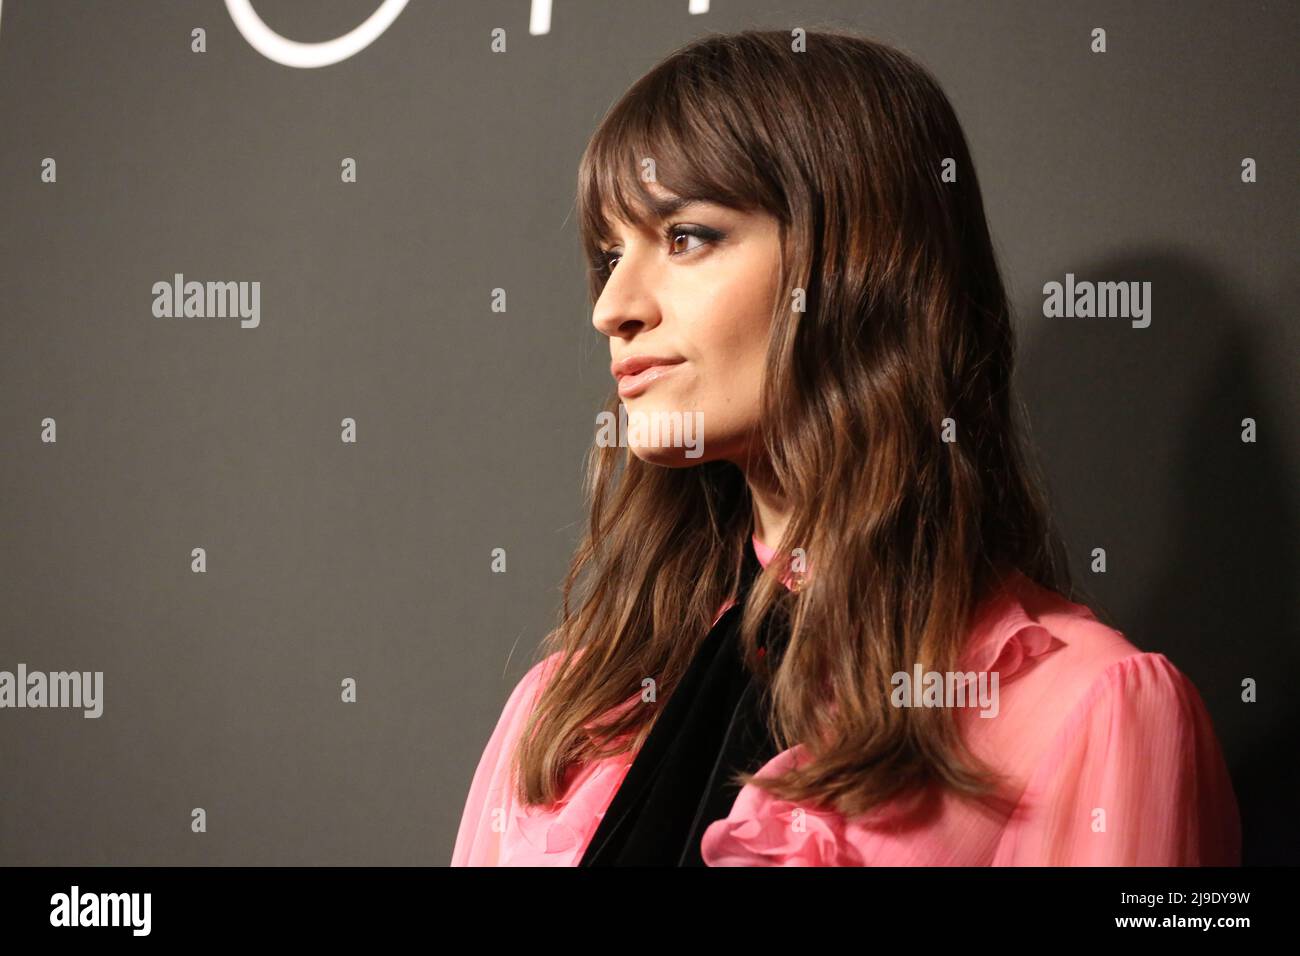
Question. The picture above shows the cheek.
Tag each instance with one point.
(730, 323)
(730, 343)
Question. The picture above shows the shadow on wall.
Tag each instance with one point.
(1139, 432)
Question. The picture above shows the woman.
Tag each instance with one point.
(838, 635)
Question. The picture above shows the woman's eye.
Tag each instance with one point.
(680, 235)
(679, 241)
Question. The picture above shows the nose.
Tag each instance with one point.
(628, 305)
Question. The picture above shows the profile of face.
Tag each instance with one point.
(688, 308)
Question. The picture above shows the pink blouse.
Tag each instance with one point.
(1110, 748)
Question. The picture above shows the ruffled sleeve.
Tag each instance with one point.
(478, 841)
(1135, 777)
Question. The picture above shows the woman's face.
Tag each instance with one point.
(693, 289)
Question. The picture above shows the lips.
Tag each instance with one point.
(636, 373)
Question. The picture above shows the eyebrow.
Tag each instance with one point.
(662, 208)
(666, 207)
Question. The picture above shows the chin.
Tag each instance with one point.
(663, 435)
(668, 456)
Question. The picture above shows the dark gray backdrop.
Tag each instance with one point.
(328, 560)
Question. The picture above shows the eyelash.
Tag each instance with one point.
(674, 230)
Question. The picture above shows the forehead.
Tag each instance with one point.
(639, 199)
(661, 204)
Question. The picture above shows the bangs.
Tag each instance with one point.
(610, 185)
(689, 129)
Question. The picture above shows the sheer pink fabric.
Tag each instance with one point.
(1110, 750)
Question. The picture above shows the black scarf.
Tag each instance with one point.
(713, 724)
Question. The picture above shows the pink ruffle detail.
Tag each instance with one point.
(764, 831)
(1007, 635)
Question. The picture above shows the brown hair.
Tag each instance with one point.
(906, 323)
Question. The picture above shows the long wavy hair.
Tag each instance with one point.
(904, 331)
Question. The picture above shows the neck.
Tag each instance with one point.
(772, 511)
